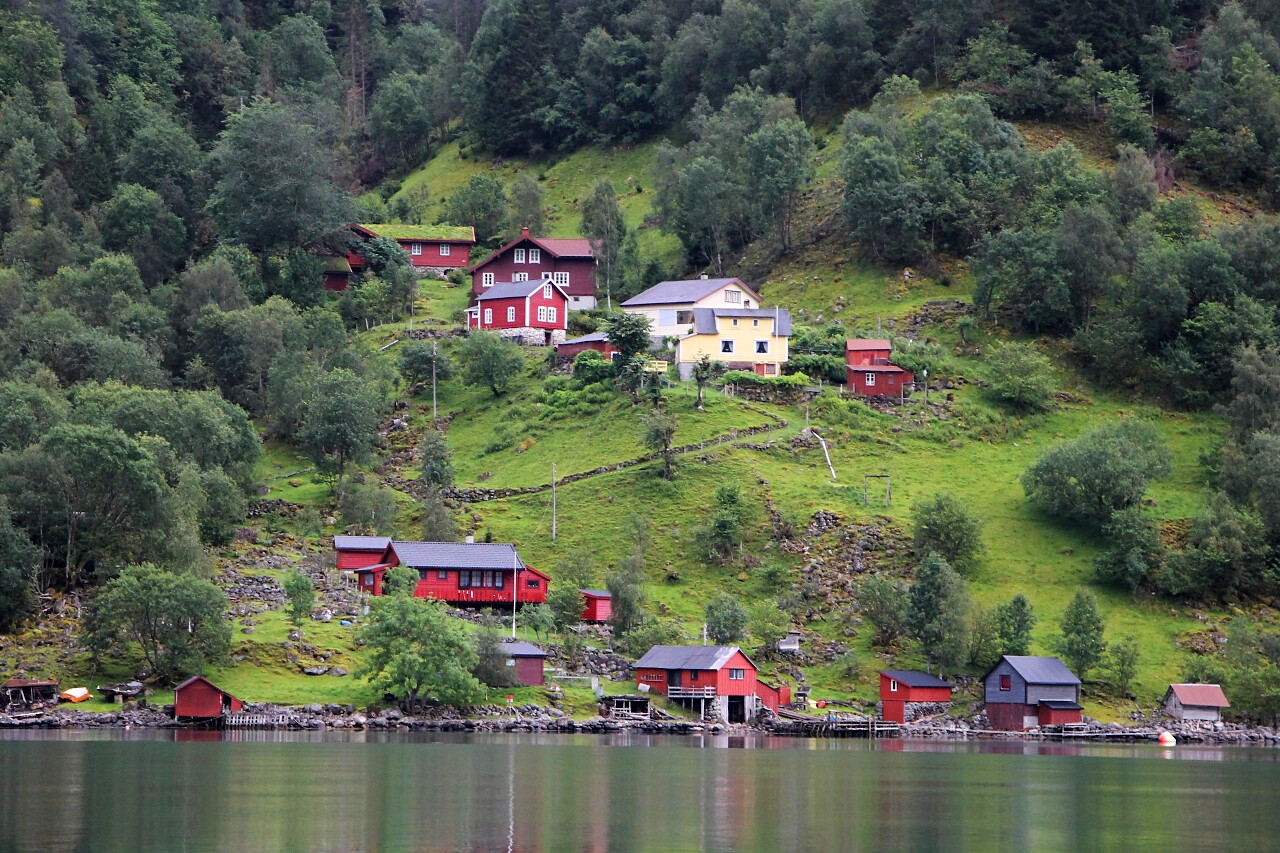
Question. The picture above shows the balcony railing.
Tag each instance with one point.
(691, 692)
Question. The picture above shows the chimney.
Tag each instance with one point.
(524, 232)
(471, 540)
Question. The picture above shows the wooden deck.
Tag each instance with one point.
(802, 725)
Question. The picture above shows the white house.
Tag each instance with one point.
(669, 304)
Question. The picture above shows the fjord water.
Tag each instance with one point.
(266, 791)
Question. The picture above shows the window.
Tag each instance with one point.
(416, 249)
(871, 379)
(693, 676)
(733, 296)
(546, 275)
(684, 318)
(771, 370)
(735, 322)
(737, 674)
(486, 279)
(542, 313)
(726, 346)
(893, 685)
(762, 347)
(551, 314)
(488, 316)
(464, 580)
(535, 256)
(532, 584)
(755, 322)
(445, 249)
(546, 291)
(518, 256)
(1006, 682)
(561, 278)
(511, 314)
(519, 276)
(442, 574)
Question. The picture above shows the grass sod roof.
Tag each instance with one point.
(440, 233)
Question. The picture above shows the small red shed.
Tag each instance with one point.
(358, 552)
(868, 369)
(198, 698)
(1058, 712)
(597, 341)
(598, 605)
(898, 688)
(527, 660)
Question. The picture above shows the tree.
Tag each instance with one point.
(566, 604)
(603, 224)
(417, 652)
(1014, 622)
(984, 637)
(705, 371)
(884, 602)
(437, 461)
(1020, 375)
(539, 618)
(945, 526)
(302, 596)
(1134, 551)
(659, 432)
(625, 588)
(491, 659)
(400, 581)
(416, 360)
(490, 360)
(526, 206)
(176, 620)
(369, 507)
(438, 523)
(938, 610)
(1123, 659)
(778, 161)
(341, 422)
(726, 620)
(274, 188)
(629, 335)
(724, 533)
(19, 560)
(768, 624)
(1102, 472)
(481, 203)
(1081, 644)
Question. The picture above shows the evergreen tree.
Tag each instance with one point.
(1081, 644)
(938, 608)
(1014, 622)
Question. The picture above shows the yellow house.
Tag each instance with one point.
(742, 338)
(669, 305)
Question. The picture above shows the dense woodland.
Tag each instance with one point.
(170, 173)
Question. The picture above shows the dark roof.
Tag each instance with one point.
(914, 678)
(859, 344)
(593, 338)
(876, 368)
(522, 649)
(560, 247)
(1202, 695)
(683, 291)
(455, 555)
(1061, 705)
(687, 657)
(361, 543)
(597, 593)
(1040, 670)
(704, 319)
(517, 289)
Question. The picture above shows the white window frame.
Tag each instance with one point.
(486, 279)
(511, 313)
(445, 250)
(551, 314)
(546, 291)
(726, 346)
(488, 316)
(535, 256)
(735, 322)
(762, 347)
(737, 674)
(893, 685)
(561, 278)
(871, 380)
(755, 322)
(415, 249)
(519, 276)
(732, 296)
(546, 275)
(542, 313)
(517, 256)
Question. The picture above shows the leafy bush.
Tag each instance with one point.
(590, 367)
(1020, 375)
(746, 377)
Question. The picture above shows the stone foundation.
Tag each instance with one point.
(532, 337)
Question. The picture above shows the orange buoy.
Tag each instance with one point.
(1167, 739)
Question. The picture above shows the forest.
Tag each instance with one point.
(173, 171)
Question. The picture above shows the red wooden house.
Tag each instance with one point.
(1023, 691)
(899, 688)
(527, 660)
(570, 263)
(598, 605)
(198, 698)
(721, 680)
(357, 552)
(435, 248)
(868, 371)
(532, 312)
(464, 574)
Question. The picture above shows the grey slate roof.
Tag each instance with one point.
(516, 289)
(1061, 705)
(914, 678)
(521, 649)
(681, 292)
(598, 593)
(456, 555)
(1041, 670)
(361, 543)
(687, 657)
(593, 338)
(705, 319)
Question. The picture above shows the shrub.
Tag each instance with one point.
(1020, 375)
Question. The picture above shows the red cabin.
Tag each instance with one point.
(358, 552)
(198, 698)
(435, 248)
(527, 660)
(569, 263)
(463, 574)
(597, 341)
(868, 371)
(720, 679)
(899, 688)
(598, 605)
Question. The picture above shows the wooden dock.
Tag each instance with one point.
(803, 725)
(255, 721)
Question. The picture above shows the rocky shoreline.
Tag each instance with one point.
(534, 718)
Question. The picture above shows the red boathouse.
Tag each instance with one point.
(463, 574)
(720, 681)
(198, 698)
(899, 688)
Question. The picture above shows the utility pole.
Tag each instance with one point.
(515, 587)
(435, 415)
(553, 501)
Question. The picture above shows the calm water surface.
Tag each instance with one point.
(251, 791)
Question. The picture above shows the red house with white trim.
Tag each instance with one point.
(868, 371)
(568, 262)
(720, 681)
(900, 688)
(532, 312)
(432, 249)
(357, 552)
(198, 698)
(462, 574)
